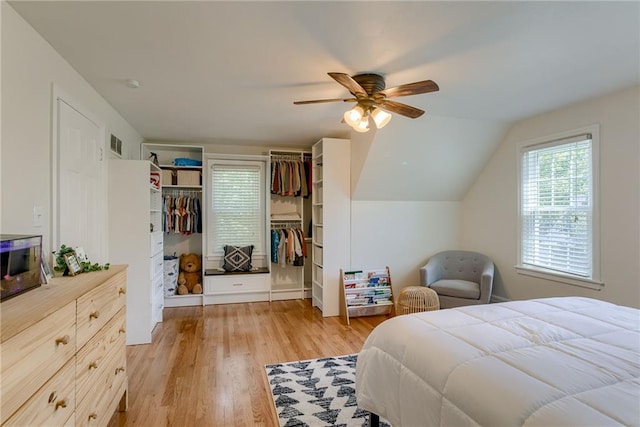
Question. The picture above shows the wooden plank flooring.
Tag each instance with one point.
(206, 364)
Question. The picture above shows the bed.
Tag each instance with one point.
(553, 361)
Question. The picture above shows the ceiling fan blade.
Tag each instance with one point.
(318, 101)
(348, 82)
(402, 109)
(415, 88)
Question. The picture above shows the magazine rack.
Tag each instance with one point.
(365, 293)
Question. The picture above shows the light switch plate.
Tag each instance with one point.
(37, 216)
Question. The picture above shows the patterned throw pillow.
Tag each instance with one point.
(237, 258)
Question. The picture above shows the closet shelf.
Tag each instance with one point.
(318, 284)
(197, 187)
(180, 167)
(317, 264)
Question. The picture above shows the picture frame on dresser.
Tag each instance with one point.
(74, 266)
(81, 254)
(47, 272)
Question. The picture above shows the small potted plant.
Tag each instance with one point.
(62, 267)
(61, 264)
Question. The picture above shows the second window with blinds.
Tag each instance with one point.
(558, 206)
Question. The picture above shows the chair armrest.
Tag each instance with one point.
(486, 282)
(429, 273)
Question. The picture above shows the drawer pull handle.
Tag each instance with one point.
(61, 404)
(63, 340)
(237, 284)
(118, 370)
(93, 416)
(93, 365)
(53, 396)
(94, 315)
(122, 291)
(121, 331)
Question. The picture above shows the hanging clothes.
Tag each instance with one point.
(288, 246)
(181, 214)
(291, 178)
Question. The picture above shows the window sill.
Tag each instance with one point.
(561, 278)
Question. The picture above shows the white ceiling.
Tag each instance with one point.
(228, 73)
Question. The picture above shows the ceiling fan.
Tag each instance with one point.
(371, 99)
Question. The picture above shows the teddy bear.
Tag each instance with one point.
(189, 279)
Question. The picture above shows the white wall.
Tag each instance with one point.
(432, 158)
(29, 68)
(401, 235)
(489, 210)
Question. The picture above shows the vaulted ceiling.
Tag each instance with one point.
(230, 71)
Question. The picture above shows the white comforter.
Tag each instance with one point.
(554, 362)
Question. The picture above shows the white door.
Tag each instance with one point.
(80, 183)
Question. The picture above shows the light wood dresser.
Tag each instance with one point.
(63, 352)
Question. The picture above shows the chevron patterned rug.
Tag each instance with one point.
(317, 392)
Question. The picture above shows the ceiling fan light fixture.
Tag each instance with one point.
(353, 117)
(368, 90)
(380, 117)
(362, 126)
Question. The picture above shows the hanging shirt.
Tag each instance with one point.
(275, 242)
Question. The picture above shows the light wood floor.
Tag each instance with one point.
(206, 364)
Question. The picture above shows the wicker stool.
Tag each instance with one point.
(414, 299)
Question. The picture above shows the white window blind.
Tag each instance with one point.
(557, 206)
(237, 211)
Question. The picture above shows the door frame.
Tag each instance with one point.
(58, 94)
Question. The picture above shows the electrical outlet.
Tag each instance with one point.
(37, 216)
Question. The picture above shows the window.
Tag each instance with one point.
(558, 208)
(236, 205)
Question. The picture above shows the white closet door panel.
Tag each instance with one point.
(80, 183)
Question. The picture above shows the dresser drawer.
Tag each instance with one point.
(102, 398)
(53, 404)
(236, 283)
(156, 242)
(93, 360)
(157, 300)
(36, 354)
(157, 285)
(157, 265)
(98, 306)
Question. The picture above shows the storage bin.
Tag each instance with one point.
(171, 271)
(186, 177)
(167, 177)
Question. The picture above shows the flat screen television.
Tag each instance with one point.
(20, 258)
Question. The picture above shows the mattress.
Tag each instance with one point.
(553, 362)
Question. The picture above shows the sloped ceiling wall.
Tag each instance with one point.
(433, 158)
